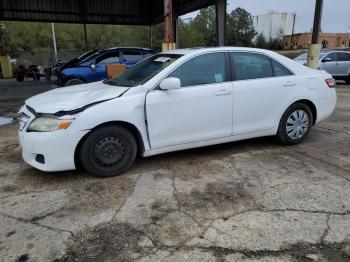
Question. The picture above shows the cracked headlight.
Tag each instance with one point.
(49, 124)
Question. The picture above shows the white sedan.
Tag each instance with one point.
(173, 101)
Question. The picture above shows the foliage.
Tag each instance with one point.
(273, 44)
(260, 41)
(28, 39)
(240, 30)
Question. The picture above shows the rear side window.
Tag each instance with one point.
(280, 70)
(251, 66)
(131, 55)
(344, 57)
(201, 70)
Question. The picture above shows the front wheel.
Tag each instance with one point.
(295, 124)
(108, 151)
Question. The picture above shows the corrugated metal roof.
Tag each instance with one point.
(127, 12)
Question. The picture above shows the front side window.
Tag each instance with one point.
(251, 66)
(344, 57)
(332, 56)
(201, 70)
(108, 58)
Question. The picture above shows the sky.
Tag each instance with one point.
(335, 19)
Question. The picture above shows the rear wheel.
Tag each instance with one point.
(295, 124)
(348, 80)
(108, 151)
(74, 81)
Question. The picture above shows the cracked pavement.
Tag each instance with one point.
(247, 201)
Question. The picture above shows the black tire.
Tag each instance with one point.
(20, 78)
(285, 130)
(347, 81)
(108, 151)
(74, 81)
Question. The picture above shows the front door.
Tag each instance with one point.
(200, 110)
(343, 64)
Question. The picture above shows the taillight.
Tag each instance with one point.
(331, 82)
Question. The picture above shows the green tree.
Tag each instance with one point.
(260, 41)
(203, 28)
(240, 30)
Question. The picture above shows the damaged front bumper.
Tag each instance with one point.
(48, 151)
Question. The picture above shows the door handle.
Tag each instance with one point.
(223, 92)
(289, 84)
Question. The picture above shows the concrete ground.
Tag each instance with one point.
(248, 201)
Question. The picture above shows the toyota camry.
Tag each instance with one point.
(172, 101)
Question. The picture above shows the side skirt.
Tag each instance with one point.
(210, 142)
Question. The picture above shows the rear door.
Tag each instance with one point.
(330, 66)
(343, 66)
(262, 89)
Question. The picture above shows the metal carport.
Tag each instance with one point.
(122, 12)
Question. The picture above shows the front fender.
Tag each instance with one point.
(129, 109)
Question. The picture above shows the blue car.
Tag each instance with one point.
(91, 66)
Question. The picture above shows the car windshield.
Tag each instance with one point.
(143, 71)
(85, 55)
(77, 60)
(304, 56)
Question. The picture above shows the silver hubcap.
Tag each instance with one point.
(297, 124)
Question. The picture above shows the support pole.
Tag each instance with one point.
(221, 21)
(315, 47)
(169, 38)
(5, 62)
(150, 36)
(54, 40)
(176, 29)
(85, 38)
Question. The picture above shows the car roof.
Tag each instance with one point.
(293, 66)
(199, 50)
(126, 48)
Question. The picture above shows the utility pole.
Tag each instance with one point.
(291, 39)
(54, 40)
(315, 47)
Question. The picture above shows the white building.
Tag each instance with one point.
(274, 25)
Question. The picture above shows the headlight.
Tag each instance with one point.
(49, 124)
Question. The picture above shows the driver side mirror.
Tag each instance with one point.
(327, 59)
(170, 83)
(93, 67)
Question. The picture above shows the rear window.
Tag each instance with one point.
(131, 55)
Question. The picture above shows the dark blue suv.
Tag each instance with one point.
(91, 66)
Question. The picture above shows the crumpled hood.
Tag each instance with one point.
(73, 97)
